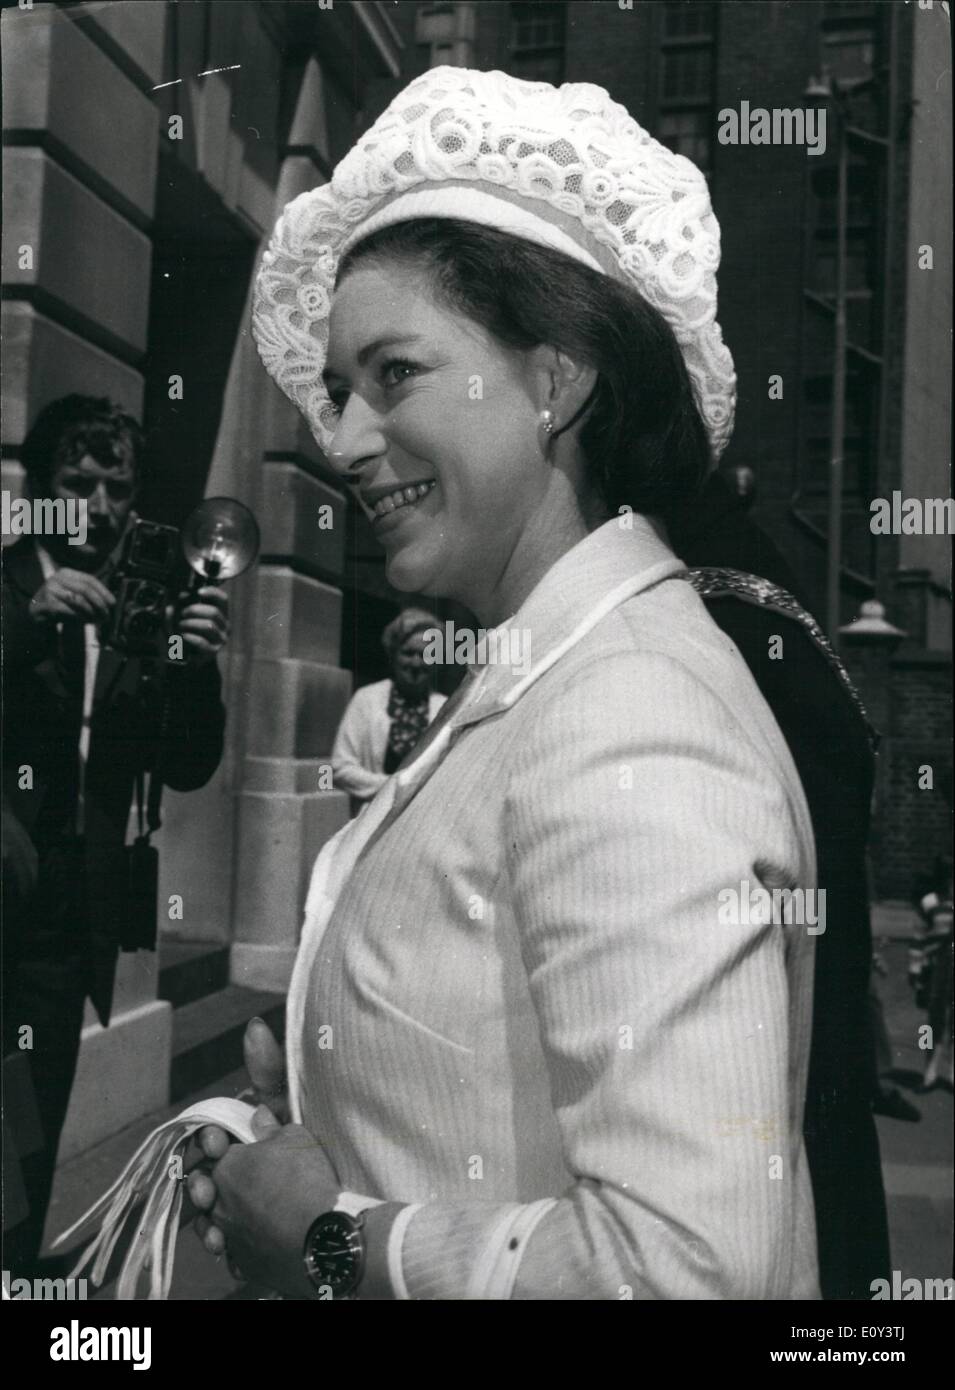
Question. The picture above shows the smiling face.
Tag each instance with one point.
(438, 427)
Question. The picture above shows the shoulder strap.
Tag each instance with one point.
(712, 582)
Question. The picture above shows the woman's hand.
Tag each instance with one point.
(265, 1063)
(267, 1196)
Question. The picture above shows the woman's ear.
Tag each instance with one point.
(564, 384)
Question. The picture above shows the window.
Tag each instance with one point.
(863, 246)
(858, 442)
(688, 19)
(688, 133)
(537, 42)
(687, 74)
(687, 62)
(536, 25)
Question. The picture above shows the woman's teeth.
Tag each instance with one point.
(401, 497)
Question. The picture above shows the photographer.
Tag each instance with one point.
(82, 724)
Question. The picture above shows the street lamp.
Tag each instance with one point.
(836, 95)
(825, 89)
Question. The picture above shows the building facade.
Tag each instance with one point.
(680, 66)
(148, 147)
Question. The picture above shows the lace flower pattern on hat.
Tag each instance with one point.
(570, 147)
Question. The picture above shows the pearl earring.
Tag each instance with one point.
(546, 430)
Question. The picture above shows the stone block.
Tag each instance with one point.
(290, 514)
(256, 966)
(138, 27)
(48, 63)
(50, 211)
(295, 708)
(196, 859)
(43, 361)
(211, 100)
(287, 774)
(296, 616)
(279, 838)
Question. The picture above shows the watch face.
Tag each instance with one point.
(334, 1254)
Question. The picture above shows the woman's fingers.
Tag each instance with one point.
(213, 1141)
(214, 1241)
(210, 1235)
(202, 1191)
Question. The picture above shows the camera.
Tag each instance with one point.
(218, 541)
(144, 582)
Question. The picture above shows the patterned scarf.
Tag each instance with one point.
(409, 720)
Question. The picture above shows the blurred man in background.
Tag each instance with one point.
(82, 724)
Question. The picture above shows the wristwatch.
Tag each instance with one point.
(335, 1248)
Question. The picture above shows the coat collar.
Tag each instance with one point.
(621, 558)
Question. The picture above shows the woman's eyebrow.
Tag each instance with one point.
(369, 350)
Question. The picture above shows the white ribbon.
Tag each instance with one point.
(152, 1180)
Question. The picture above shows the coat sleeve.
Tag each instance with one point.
(195, 726)
(351, 753)
(667, 1023)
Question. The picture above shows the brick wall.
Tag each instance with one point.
(909, 697)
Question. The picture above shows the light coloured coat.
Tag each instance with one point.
(517, 1002)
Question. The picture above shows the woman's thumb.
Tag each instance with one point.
(264, 1123)
(264, 1059)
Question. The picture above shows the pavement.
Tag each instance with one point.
(917, 1158)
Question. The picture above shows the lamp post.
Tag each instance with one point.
(827, 90)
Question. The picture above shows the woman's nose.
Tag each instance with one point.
(358, 438)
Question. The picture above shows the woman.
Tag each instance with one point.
(385, 720)
(527, 1055)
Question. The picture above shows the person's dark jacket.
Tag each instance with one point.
(42, 715)
(829, 743)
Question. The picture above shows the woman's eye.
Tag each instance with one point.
(396, 371)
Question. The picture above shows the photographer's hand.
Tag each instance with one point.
(71, 596)
(204, 623)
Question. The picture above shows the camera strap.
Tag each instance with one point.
(148, 818)
(139, 928)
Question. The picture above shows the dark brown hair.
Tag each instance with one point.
(643, 440)
(75, 425)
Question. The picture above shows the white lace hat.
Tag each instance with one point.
(565, 167)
